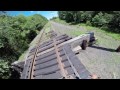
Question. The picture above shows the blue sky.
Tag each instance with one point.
(47, 14)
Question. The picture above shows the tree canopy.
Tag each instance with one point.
(16, 32)
(109, 20)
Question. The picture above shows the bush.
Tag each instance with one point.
(114, 24)
(15, 35)
(88, 23)
(99, 20)
(31, 35)
(109, 20)
(4, 69)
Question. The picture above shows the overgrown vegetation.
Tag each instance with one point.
(108, 20)
(16, 33)
(88, 28)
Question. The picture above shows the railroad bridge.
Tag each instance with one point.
(55, 58)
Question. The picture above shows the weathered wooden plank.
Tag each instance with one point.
(55, 75)
(47, 53)
(26, 69)
(53, 56)
(46, 65)
(64, 58)
(77, 40)
(46, 71)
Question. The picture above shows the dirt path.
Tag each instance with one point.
(99, 59)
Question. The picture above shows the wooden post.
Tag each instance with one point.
(84, 45)
(118, 49)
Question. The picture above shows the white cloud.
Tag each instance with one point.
(52, 12)
(31, 11)
(38, 12)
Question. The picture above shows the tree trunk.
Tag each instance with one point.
(118, 49)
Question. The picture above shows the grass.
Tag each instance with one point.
(47, 27)
(74, 33)
(21, 58)
(112, 34)
(60, 21)
(106, 39)
(90, 28)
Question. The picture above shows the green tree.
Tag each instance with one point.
(114, 24)
(104, 19)
(15, 35)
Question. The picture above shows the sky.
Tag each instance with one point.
(47, 14)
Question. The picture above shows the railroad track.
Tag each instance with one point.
(51, 60)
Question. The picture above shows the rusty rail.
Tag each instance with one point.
(63, 73)
(31, 73)
(57, 62)
(74, 69)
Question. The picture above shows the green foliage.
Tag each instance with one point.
(109, 20)
(114, 24)
(18, 22)
(101, 19)
(62, 14)
(88, 23)
(53, 18)
(65, 15)
(35, 22)
(75, 16)
(30, 36)
(4, 69)
(15, 35)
